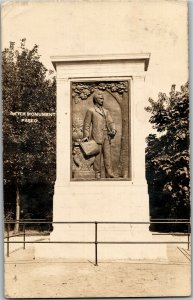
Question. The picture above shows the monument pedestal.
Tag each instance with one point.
(106, 200)
(92, 202)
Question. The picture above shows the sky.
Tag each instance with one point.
(99, 27)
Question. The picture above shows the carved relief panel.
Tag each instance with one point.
(100, 130)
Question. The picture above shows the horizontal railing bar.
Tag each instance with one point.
(21, 234)
(68, 242)
(27, 234)
(167, 222)
(177, 234)
(47, 242)
(167, 242)
(48, 222)
(183, 222)
(28, 220)
(156, 219)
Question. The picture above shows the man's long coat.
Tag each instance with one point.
(96, 124)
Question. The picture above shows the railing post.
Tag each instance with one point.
(96, 244)
(24, 236)
(8, 239)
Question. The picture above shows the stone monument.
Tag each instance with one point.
(100, 104)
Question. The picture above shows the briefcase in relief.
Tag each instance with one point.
(90, 148)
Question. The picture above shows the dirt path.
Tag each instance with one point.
(28, 278)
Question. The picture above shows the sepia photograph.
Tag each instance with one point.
(96, 148)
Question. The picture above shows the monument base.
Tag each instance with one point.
(83, 203)
(140, 250)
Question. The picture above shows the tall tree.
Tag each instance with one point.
(29, 139)
(167, 153)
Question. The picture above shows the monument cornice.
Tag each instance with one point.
(78, 59)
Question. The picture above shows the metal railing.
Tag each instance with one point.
(96, 241)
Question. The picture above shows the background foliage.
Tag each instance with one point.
(29, 148)
(167, 155)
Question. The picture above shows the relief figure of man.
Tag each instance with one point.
(99, 126)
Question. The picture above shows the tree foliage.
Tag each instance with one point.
(29, 146)
(81, 91)
(167, 153)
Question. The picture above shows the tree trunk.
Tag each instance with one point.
(124, 159)
(17, 212)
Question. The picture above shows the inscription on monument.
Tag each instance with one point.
(100, 131)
